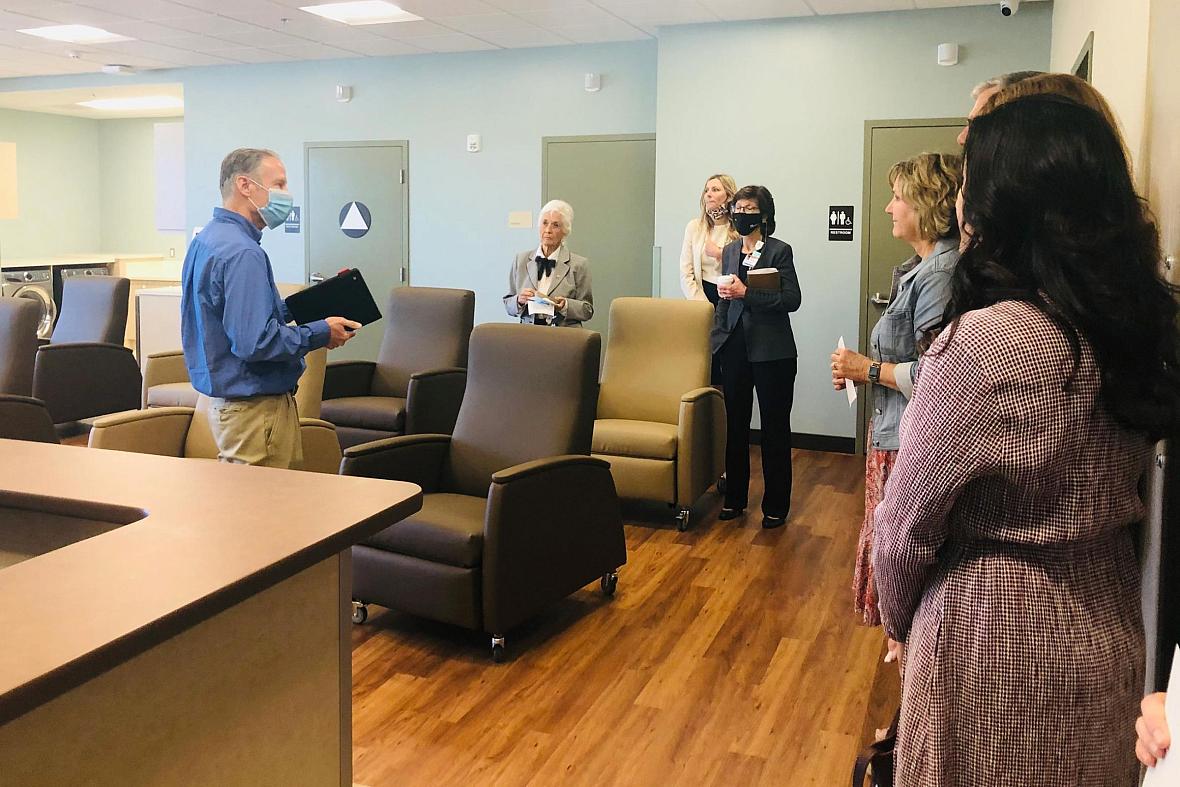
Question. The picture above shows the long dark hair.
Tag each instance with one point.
(1056, 223)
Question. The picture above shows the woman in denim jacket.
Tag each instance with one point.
(923, 209)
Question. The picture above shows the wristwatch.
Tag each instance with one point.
(875, 373)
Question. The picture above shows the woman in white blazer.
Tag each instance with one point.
(704, 238)
(549, 285)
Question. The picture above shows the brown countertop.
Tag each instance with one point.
(214, 535)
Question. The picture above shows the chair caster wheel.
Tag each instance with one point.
(609, 583)
(360, 612)
(498, 652)
(682, 519)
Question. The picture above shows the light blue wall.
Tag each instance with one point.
(783, 104)
(459, 201)
(57, 164)
(127, 181)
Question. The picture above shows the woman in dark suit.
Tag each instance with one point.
(752, 335)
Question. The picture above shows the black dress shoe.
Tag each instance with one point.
(731, 513)
(771, 522)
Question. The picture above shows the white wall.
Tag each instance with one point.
(1119, 60)
(128, 188)
(783, 104)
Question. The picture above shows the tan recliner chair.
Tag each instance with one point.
(185, 432)
(515, 513)
(416, 384)
(166, 382)
(660, 425)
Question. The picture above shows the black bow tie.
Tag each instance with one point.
(544, 267)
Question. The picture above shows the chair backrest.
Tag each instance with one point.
(18, 345)
(25, 418)
(310, 394)
(93, 309)
(425, 328)
(530, 394)
(658, 351)
(199, 443)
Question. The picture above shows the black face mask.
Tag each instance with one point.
(745, 223)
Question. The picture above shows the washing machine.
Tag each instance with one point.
(36, 284)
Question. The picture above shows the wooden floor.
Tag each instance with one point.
(730, 655)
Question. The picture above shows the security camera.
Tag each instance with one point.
(1009, 7)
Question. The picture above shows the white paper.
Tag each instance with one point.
(1166, 772)
(849, 387)
(541, 306)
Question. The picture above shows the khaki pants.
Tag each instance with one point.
(261, 430)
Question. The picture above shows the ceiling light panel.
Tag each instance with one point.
(362, 12)
(75, 34)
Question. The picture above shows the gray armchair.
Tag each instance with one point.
(417, 382)
(18, 345)
(85, 370)
(516, 514)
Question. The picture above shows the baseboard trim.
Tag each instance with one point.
(813, 442)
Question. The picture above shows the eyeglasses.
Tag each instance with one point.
(745, 209)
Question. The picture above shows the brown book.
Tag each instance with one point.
(762, 279)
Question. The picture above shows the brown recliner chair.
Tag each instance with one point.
(25, 418)
(516, 514)
(18, 345)
(85, 370)
(185, 432)
(660, 425)
(416, 385)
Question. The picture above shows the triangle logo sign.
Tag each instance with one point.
(355, 219)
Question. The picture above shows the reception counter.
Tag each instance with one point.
(173, 621)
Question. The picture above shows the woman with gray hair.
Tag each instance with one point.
(549, 285)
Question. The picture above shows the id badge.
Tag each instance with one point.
(752, 258)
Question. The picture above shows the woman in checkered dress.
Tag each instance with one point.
(1003, 552)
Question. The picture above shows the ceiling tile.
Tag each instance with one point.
(655, 14)
(433, 9)
(375, 46)
(953, 3)
(312, 51)
(68, 13)
(146, 31)
(478, 24)
(160, 52)
(594, 34)
(147, 10)
(453, 42)
(516, 6)
(10, 21)
(580, 15)
(210, 24)
(251, 55)
(406, 31)
(826, 7)
(194, 42)
(521, 39)
(732, 10)
(253, 35)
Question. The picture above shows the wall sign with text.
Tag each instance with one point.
(840, 222)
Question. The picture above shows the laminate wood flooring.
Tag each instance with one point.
(730, 656)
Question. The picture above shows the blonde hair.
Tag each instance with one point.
(730, 185)
(929, 183)
(1068, 86)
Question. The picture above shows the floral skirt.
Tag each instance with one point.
(878, 467)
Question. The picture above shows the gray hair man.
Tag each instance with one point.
(988, 88)
(238, 346)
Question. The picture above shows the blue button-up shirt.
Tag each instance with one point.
(233, 323)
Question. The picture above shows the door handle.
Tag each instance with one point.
(316, 278)
(877, 300)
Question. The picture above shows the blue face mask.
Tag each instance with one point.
(275, 211)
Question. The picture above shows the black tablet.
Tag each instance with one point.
(344, 295)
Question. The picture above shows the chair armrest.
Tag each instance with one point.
(700, 444)
(433, 400)
(416, 458)
(553, 525)
(160, 430)
(162, 369)
(348, 378)
(79, 380)
(25, 418)
(321, 448)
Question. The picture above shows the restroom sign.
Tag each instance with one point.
(355, 219)
(840, 222)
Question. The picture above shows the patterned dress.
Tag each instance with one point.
(878, 468)
(1004, 559)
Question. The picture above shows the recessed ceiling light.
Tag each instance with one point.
(134, 102)
(362, 12)
(75, 34)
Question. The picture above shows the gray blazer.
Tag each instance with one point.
(765, 315)
(571, 280)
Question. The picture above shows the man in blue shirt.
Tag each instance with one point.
(238, 347)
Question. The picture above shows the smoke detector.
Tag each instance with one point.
(118, 68)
